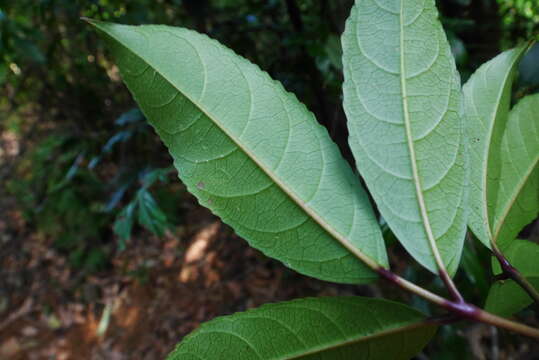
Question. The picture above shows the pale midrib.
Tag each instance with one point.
(411, 149)
(318, 219)
(521, 184)
(360, 340)
(484, 179)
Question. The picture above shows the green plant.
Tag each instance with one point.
(61, 192)
(254, 155)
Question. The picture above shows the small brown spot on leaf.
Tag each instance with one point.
(201, 185)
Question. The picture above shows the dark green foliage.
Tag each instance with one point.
(63, 190)
(142, 209)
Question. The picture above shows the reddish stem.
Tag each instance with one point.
(510, 272)
(459, 308)
(450, 285)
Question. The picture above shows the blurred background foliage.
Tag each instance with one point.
(84, 169)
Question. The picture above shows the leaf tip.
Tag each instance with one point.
(88, 20)
(94, 22)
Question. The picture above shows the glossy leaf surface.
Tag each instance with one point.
(250, 151)
(487, 96)
(403, 103)
(317, 328)
(506, 297)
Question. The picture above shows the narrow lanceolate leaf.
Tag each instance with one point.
(487, 96)
(321, 328)
(250, 151)
(403, 103)
(518, 192)
(506, 297)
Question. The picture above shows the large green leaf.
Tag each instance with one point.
(250, 151)
(403, 102)
(487, 96)
(318, 328)
(506, 297)
(518, 193)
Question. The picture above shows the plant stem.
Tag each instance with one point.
(411, 287)
(504, 323)
(450, 285)
(460, 308)
(509, 271)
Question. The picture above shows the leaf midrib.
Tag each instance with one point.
(411, 149)
(318, 219)
(361, 339)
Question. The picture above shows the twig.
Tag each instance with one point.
(461, 309)
(510, 272)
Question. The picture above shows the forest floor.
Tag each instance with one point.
(151, 296)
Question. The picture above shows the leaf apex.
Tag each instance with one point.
(90, 21)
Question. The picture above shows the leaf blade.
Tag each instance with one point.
(315, 328)
(518, 185)
(412, 159)
(238, 145)
(487, 97)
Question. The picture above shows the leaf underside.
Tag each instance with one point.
(250, 151)
(506, 297)
(518, 185)
(487, 96)
(403, 103)
(315, 328)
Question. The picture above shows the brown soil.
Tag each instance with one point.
(156, 292)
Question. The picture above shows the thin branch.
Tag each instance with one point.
(507, 324)
(510, 272)
(461, 309)
(450, 285)
(409, 286)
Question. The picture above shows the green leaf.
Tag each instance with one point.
(403, 103)
(487, 96)
(123, 225)
(528, 70)
(149, 214)
(159, 174)
(3, 73)
(475, 270)
(506, 297)
(518, 193)
(250, 151)
(315, 328)
(334, 51)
